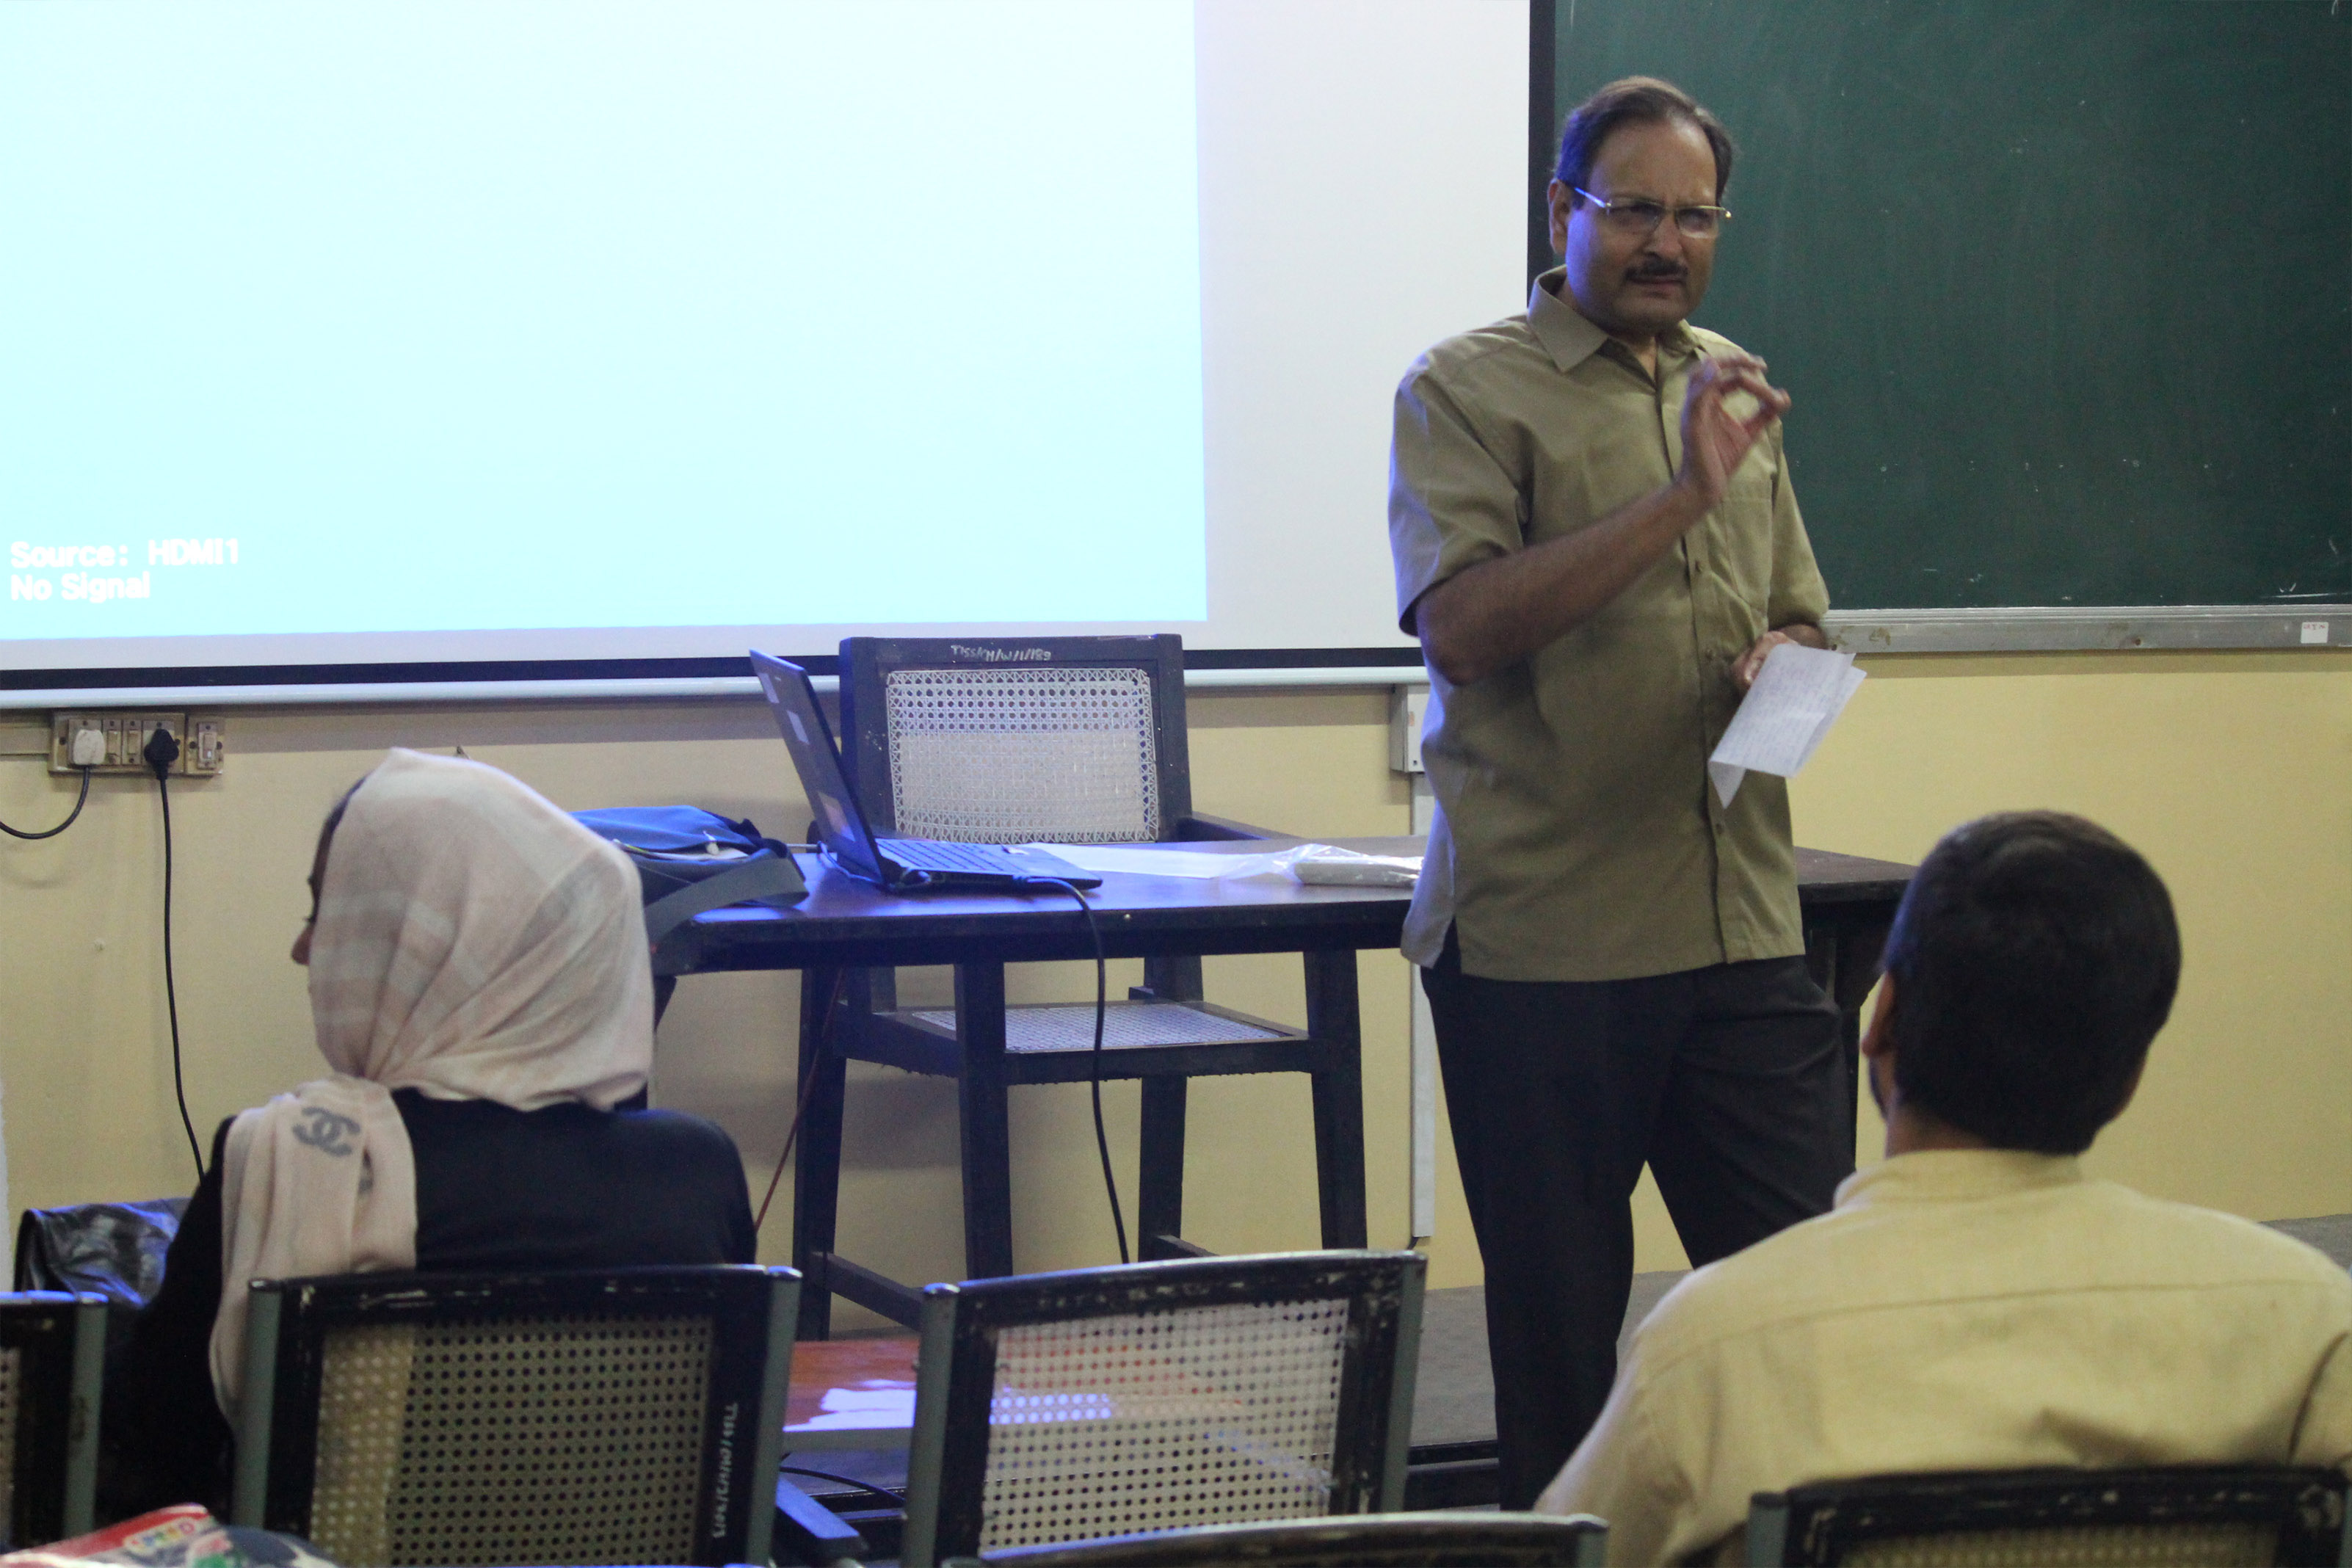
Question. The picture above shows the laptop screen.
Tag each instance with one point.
(841, 826)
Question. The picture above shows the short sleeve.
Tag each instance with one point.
(1799, 594)
(1452, 504)
(2324, 1433)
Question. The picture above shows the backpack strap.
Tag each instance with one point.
(767, 875)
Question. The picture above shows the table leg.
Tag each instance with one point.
(1174, 977)
(1333, 1018)
(1843, 951)
(1823, 959)
(1159, 1191)
(983, 1120)
(816, 1172)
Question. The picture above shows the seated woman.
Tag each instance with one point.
(479, 985)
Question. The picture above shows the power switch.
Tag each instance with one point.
(206, 749)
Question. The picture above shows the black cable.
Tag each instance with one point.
(808, 1089)
(1093, 1072)
(78, 801)
(895, 1499)
(160, 750)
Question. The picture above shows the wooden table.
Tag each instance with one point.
(844, 924)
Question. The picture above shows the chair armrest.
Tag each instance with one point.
(1206, 829)
(808, 1532)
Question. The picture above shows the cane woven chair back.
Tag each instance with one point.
(52, 1355)
(1022, 755)
(1048, 739)
(2185, 1517)
(1105, 1402)
(613, 1418)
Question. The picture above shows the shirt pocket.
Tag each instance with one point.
(1738, 552)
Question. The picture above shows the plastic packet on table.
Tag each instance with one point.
(1328, 864)
(182, 1536)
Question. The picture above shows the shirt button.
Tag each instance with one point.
(1720, 828)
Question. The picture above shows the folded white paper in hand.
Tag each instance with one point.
(1798, 695)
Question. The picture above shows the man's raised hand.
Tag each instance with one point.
(1715, 439)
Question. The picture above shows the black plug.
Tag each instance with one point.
(161, 752)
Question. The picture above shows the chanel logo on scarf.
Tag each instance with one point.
(327, 1133)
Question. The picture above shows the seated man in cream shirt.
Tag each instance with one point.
(1975, 1301)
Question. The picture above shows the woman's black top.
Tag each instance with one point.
(566, 1187)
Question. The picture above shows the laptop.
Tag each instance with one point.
(900, 865)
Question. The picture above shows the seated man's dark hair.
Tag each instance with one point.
(2035, 958)
(1635, 100)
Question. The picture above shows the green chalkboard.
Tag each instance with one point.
(2063, 289)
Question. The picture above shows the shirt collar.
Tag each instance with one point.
(1571, 339)
(1945, 1175)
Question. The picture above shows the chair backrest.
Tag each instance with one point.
(2176, 1515)
(996, 740)
(1362, 1540)
(622, 1416)
(52, 1355)
(1057, 1407)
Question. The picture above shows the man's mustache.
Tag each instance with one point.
(1658, 272)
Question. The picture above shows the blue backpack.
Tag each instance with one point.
(690, 860)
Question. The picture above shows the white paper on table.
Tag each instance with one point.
(1150, 860)
(1798, 695)
(877, 1405)
(1321, 863)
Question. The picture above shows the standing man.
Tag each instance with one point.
(1597, 544)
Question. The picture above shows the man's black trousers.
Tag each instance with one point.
(1728, 1082)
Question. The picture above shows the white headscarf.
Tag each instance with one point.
(473, 942)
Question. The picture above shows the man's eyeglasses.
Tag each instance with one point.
(1641, 218)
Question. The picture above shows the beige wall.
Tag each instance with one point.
(2232, 772)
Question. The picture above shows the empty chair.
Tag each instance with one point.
(52, 1350)
(627, 1415)
(1061, 1407)
(1059, 740)
(2189, 1515)
(1364, 1540)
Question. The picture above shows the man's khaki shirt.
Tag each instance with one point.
(1577, 836)
(1966, 1310)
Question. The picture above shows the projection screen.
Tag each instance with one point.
(544, 337)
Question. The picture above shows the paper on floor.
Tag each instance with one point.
(1797, 697)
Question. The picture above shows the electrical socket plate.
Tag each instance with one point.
(202, 752)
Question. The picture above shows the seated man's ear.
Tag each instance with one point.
(1876, 1039)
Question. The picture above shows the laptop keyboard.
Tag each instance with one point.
(945, 855)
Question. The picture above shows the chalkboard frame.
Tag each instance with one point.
(2006, 629)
